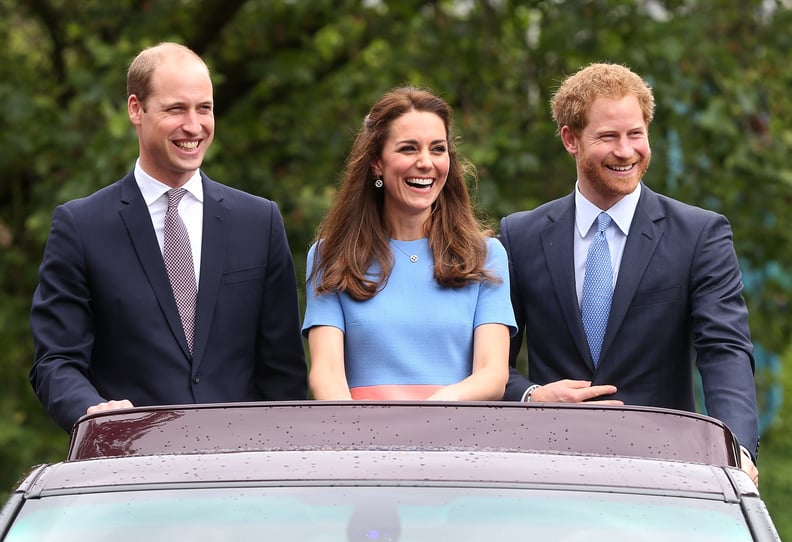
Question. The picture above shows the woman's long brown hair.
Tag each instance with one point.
(353, 235)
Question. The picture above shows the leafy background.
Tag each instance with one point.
(294, 78)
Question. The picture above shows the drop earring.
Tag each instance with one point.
(378, 182)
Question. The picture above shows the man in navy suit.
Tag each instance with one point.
(674, 278)
(105, 322)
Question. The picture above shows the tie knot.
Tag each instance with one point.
(603, 221)
(174, 197)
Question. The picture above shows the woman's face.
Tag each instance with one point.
(414, 165)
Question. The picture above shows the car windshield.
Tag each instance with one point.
(384, 514)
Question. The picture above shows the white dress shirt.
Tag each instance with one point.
(585, 227)
(190, 209)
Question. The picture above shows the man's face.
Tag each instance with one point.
(612, 152)
(176, 126)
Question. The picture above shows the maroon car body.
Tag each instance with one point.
(393, 470)
(600, 430)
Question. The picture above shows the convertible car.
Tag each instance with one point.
(391, 471)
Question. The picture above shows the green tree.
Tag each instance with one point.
(294, 78)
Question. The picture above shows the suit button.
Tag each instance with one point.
(196, 379)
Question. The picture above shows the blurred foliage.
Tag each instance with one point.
(294, 78)
(775, 468)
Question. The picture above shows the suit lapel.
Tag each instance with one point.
(137, 220)
(559, 254)
(212, 258)
(645, 234)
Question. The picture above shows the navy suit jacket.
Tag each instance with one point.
(105, 323)
(677, 301)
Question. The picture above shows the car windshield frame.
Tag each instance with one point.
(334, 512)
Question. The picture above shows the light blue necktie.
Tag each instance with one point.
(597, 288)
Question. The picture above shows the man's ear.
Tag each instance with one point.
(570, 140)
(135, 109)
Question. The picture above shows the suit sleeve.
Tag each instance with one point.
(281, 371)
(721, 337)
(61, 324)
(517, 383)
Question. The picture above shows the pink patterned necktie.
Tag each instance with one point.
(179, 263)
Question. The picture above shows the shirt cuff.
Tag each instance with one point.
(745, 451)
(526, 397)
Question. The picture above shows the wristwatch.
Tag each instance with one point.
(529, 391)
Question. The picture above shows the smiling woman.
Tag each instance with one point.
(414, 167)
(408, 295)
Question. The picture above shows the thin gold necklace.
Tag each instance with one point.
(413, 257)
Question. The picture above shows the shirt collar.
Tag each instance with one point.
(622, 212)
(152, 189)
